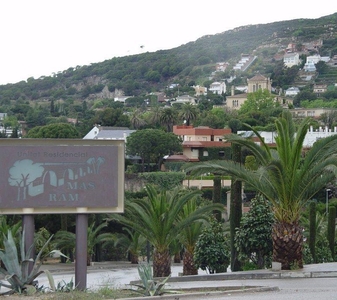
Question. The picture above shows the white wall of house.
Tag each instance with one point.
(310, 138)
(291, 59)
(292, 91)
(218, 88)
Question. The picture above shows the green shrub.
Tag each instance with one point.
(165, 180)
(212, 249)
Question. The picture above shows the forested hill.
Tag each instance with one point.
(192, 62)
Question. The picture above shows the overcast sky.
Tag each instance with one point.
(41, 37)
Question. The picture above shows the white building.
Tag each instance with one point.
(310, 138)
(309, 67)
(108, 133)
(184, 99)
(313, 59)
(121, 98)
(218, 87)
(292, 91)
(291, 59)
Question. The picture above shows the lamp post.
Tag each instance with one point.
(327, 200)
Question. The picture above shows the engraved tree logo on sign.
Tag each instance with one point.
(31, 177)
(22, 174)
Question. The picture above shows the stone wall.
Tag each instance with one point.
(133, 183)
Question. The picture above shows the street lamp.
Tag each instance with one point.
(327, 200)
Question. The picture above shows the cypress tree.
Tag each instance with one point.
(332, 230)
(312, 229)
(235, 210)
(217, 195)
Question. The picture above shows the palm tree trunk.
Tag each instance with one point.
(188, 264)
(133, 258)
(288, 245)
(161, 263)
(177, 258)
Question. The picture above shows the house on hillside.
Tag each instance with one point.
(319, 89)
(121, 98)
(184, 99)
(309, 67)
(218, 87)
(292, 91)
(108, 133)
(221, 66)
(254, 84)
(244, 63)
(259, 82)
(291, 48)
(291, 59)
(310, 112)
(200, 90)
(197, 141)
(111, 133)
(310, 138)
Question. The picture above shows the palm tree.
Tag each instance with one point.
(188, 112)
(157, 219)
(154, 116)
(285, 178)
(136, 121)
(66, 240)
(189, 236)
(168, 118)
(132, 241)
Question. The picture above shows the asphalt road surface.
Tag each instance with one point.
(289, 289)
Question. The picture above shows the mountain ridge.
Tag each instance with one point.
(140, 74)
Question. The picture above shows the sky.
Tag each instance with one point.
(42, 37)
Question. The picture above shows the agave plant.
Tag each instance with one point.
(17, 271)
(149, 286)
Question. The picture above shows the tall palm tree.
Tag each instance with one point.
(285, 178)
(154, 116)
(136, 120)
(168, 118)
(188, 112)
(157, 219)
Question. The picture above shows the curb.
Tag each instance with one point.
(204, 295)
(246, 276)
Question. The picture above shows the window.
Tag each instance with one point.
(235, 103)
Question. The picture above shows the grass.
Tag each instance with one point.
(113, 293)
(103, 293)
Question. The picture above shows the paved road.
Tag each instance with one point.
(288, 289)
